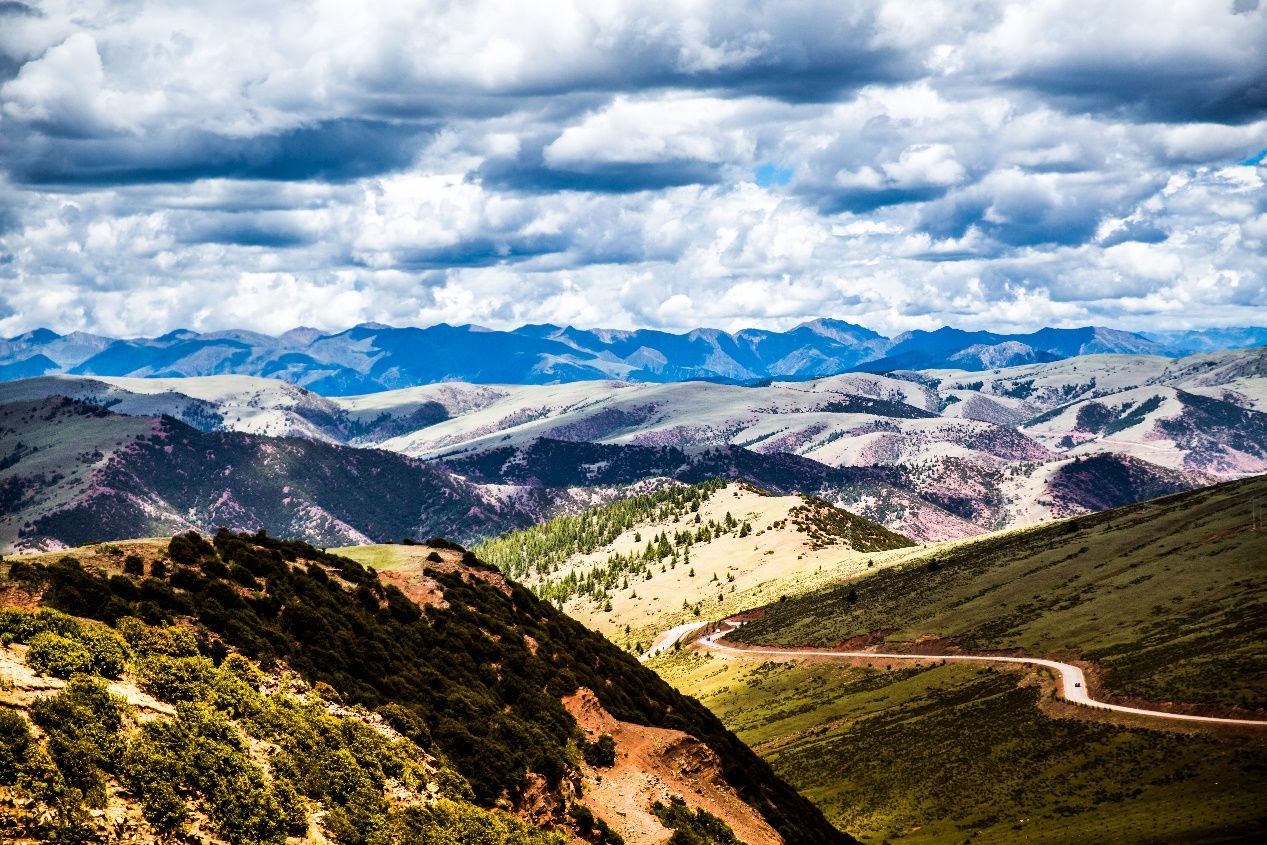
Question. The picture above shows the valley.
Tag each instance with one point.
(1154, 607)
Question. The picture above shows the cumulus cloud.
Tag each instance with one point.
(900, 163)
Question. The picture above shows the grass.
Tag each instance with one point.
(385, 556)
(1167, 598)
(951, 753)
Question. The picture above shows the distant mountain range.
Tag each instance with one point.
(930, 454)
(372, 357)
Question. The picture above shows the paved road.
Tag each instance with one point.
(1073, 682)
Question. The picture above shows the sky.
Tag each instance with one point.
(902, 165)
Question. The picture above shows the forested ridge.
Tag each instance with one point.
(539, 555)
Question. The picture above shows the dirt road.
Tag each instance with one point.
(1073, 681)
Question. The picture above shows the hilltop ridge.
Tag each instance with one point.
(475, 680)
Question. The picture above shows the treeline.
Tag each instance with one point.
(537, 555)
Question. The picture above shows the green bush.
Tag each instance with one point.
(173, 640)
(201, 751)
(110, 652)
(15, 746)
(592, 828)
(181, 550)
(82, 723)
(189, 547)
(601, 752)
(21, 625)
(445, 822)
(175, 678)
(61, 657)
(698, 828)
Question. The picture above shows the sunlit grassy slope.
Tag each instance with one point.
(1168, 598)
(953, 754)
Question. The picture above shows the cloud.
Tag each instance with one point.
(1153, 60)
(901, 163)
(335, 150)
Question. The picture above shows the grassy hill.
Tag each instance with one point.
(682, 553)
(470, 670)
(1167, 598)
(1166, 601)
(935, 755)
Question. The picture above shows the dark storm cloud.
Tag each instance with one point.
(863, 201)
(1139, 231)
(242, 230)
(334, 150)
(528, 171)
(479, 252)
(1182, 89)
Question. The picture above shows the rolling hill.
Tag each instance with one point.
(932, 455)
(76, 473)
(636, 567)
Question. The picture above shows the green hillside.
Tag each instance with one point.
(1168, 598)
(473, 679)
(144, 709)
(947, 754)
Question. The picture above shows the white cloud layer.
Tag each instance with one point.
(899, 163)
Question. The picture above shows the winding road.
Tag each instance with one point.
(1073, 681)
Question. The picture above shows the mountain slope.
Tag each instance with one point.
(475, 672)
(932, 455)
(1163, 596)
(78, 473)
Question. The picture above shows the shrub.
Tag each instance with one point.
(175, 678)
(181, 550)
(243, 576)
(201, 751)
(698, 828)
(82, 723)
(445, 822)
(172, 640)
(61, 657)
(133, 565)
(601, 752)
(24, 624)
(591, 828)
(110, 652)
(15, 746)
